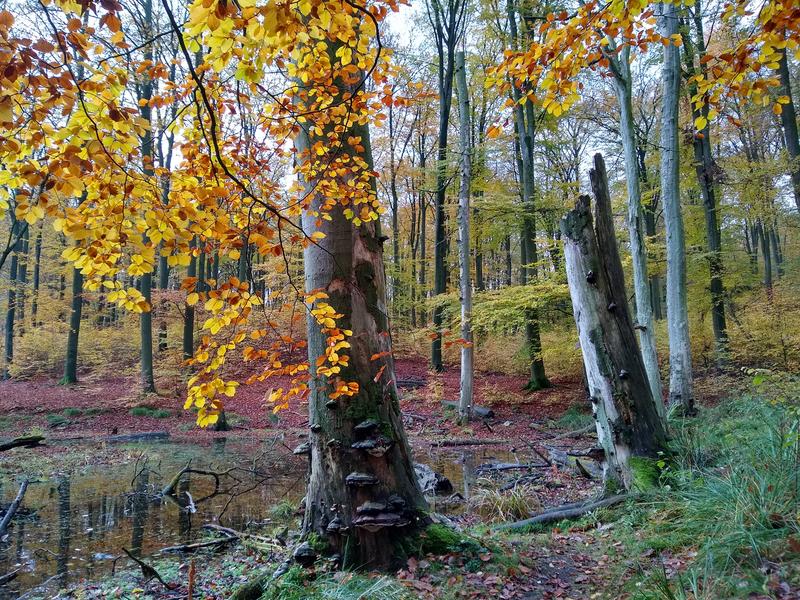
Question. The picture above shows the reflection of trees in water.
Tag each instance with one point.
(64, 530)
(184, 515)
(139, 509)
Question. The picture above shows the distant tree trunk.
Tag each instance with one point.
(763, 238)
(526, 130)
(508, 261)
(776, 250)
(704, 168)
(146, 284)
(423, 226)
(348, 265)
(636, 224)
(465, 396)
(22, 279)
(188, 311)
(37, 267)
(480, 283)
(789, 121)
(163, 285)
(680, 356)
(12, 298)
(448, 27)
(71, 362)
(628, 426)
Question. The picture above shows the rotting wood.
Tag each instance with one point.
(9, 576)
(470, 442)
(566, 511)
(28, 441)
(12, 509)
(478, 411)
(185, 548)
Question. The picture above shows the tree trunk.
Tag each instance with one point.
(526, 130)
(12, 300)
(704, 165)
(188, 311)
(146, 286)
(628, 425)
(789, 121)
(37, 268)
(71, 362)
(22, 279)
(641, 285)
(423, 225)
(680, 357)
(348, 265)
(465, 396)
(763, 239)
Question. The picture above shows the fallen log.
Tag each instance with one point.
(12, 509)
(144, 436)
(509, 466)
(9, 576)
(243, 535)
(566, 511)
(27, 441)
(185, 548)
(480, 411)
(470, 442)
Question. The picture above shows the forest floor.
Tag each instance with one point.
(648, 547)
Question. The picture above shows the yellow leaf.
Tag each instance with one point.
(305, 7)
(192, 298)
(700, 123)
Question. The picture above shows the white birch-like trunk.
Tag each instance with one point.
(465, 398)
(680, 357)
(641, 284)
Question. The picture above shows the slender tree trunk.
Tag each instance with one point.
(641, 284)
(480, 283)
(22, 280)
(703, 163)
(188, 311)
(440, 237)
(12, 300)
(789, 121)
(71, 362)
(146, 284)
(423, 227)
(526, 129)
(163, 284)
(628, 425)
(508, 261)
(680, 357)
(465, 397)
(763, 238)
(776, 250)
(37, 267)
(348, 264)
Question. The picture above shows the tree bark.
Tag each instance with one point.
(680, 357)
(76, 308)
(465, 396)
(13, 269)
(146, 286)
(348, 265)
(635, 220)
(704, 168)
(627, 422)
(789, 122)
(37, 268)
(188, 311)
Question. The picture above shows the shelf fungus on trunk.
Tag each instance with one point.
(374, 516)
(361, 480)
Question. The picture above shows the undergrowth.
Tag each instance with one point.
(724, 523)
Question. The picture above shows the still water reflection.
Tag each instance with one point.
(73, 526)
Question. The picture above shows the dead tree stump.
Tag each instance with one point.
(628, 425)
